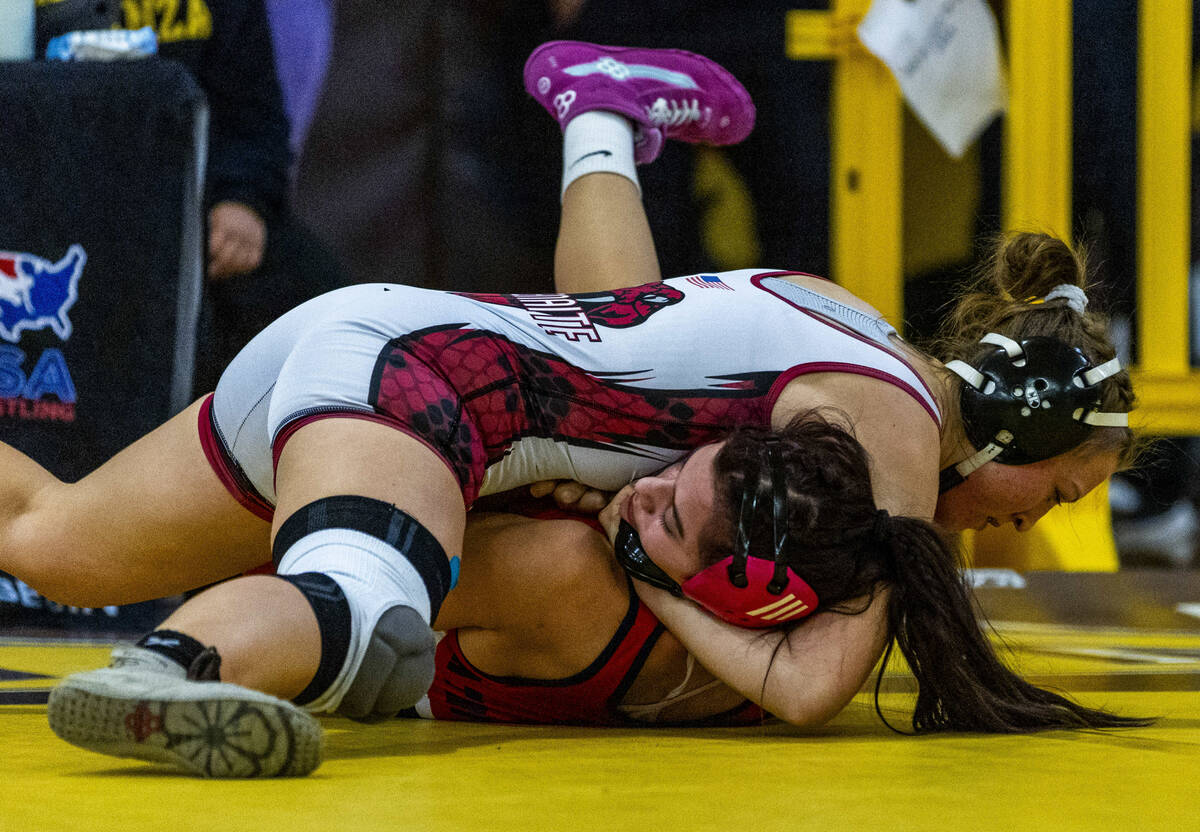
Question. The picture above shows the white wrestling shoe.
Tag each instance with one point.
(143, 706)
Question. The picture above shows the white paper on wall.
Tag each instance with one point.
(946, 56)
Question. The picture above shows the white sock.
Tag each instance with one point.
(598, 141)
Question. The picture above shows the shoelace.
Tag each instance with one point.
(664, 113)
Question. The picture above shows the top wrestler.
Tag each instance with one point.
(367, 421)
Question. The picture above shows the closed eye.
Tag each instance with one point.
(673, 508)
(1060, 500)
(670, 513)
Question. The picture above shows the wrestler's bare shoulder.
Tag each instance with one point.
(536, 598)
(898, 433)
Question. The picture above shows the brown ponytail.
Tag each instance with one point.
(1006, 297)
(962, 684)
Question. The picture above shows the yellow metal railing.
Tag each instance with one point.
(867, 177)
(866, 174)
(1037, 135)
(1168, 387)
(1037, 195)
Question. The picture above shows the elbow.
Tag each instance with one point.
(807, 713)
(814, 700)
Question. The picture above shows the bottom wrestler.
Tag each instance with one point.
(760, 530)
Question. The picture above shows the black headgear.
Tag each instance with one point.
(1028, 401)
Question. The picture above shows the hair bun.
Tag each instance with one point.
(1031, 264)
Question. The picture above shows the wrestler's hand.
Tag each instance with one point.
(571, 495)
(237, 237)
(610, 515)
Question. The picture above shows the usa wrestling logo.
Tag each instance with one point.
(36, 294)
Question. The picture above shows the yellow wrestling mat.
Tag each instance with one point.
(1134, 646)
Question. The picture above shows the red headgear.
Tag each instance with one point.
(742, 589)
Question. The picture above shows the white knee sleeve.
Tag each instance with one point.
(377, 646)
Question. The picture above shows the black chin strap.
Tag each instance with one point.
(957, 473)
(636, 562)
(949, 478)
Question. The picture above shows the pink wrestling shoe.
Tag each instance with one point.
(667, 93)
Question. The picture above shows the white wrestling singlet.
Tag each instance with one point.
(511, 389)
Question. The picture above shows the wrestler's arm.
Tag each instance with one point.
(901, 440)
(816, 668)
(807, 675)
(804, 676)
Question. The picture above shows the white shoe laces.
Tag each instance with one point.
(664, 113)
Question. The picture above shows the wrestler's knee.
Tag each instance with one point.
(397, 667)
(375, 578)
(367, 670)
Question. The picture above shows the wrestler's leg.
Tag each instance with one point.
(263, 628)
(604, 98)
(161, 699)
(152, 521)
(22, 479)
(604, 239)
(370, 459)
(278, 647)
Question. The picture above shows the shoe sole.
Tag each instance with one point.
(719, 75)
(231, 733)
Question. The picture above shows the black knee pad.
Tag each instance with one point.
(333, 620)
(382, 521)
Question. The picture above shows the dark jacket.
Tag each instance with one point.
(227, 46)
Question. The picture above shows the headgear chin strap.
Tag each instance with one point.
(1028, 401)
(742, 589)
(635, 561)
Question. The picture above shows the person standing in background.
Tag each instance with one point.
(424, 161)
(260, 260)
(302, 32)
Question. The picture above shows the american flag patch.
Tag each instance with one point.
(708, 281)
